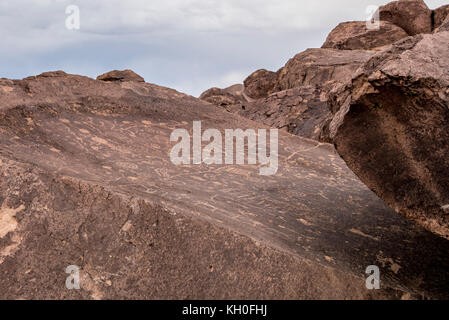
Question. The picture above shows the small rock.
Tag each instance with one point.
(116, 75)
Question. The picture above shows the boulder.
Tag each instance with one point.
(116, 75)
(439, 15)
(302, 111)
(355, 35)
(411, 15)
(224, 97)
(260, 83)
(391, 126)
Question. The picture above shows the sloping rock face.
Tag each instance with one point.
(391, 127)
(320, 66)
(116, 75)
(411, 15)
(86, 180)
(355, 35)
(439, 15)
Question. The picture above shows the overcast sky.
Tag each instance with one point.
(188, 45)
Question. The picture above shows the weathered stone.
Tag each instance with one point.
(391, 126)
(224, 97)
(302, 110)
(439, 15)
(444, 26)
(411, 15)
(356, 36)
(86, 179)
(260, 84)
(116, 75)
(320, 66)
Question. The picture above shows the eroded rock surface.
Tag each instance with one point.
(224, 97)
(439, 15)
(444, 26)
(391, 127)
(260, 83)
(355, 35)
(117, 75)
(86, 179)
(302, 110)
(414, 16)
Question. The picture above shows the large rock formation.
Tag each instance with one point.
(86, 180)
(355, 35)
(117, 75)
(444, 26)
(391, 127)
(411, 15)
(260, 83)
(224, 97)
(320, 66)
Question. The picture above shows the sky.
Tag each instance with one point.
(188, 45)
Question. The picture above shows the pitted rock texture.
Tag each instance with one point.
(414, 16)
(390, 125)
(444, 26)
(116, 75)
(439, 15)
(302, 111)
(86, 179)
(355, 35)
(295, 97)
(320, 66)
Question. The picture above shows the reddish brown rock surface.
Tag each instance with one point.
(439, 15)
(355, 35)
(116, 75)
(224, 97)
(86, 180)
(414, 16)
(260, 84)
(391, 127)
(302, 110)
(444, 26)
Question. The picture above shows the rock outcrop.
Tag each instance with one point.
(414, 16)
(320, 66)
(302, 110)
(116, 75)
(271, 97)
(444, 26)
(86, 180)
(355, 35)
(386, 119)
(439, 15)
(224, 97)
(391, 127)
